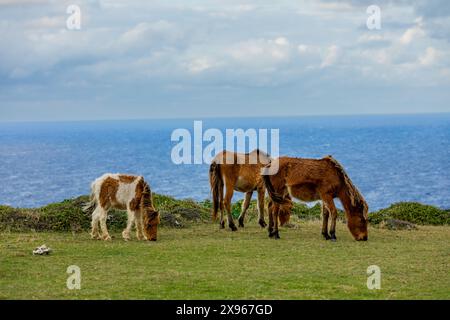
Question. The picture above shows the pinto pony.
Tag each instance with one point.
(317, 179)
(123, 192)
(239, 172)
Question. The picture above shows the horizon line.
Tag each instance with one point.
(230, 117)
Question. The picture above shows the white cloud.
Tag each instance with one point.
(429, 57)
(48, 22)
(331, 57)
(230, 11)
(413, 33)
(370, 37)
(22, 2)
(199, 65)
(262, 51)
(149, 34)
(174, 44)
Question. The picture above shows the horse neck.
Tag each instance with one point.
(346, 201)
(147, 198)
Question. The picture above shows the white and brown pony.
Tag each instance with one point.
(123, 192)
(318, 179)
(240, 172)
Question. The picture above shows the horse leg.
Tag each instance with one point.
(275, 234)
(103, 216)
(139, 225)
(261, 195)
(245, 205)
(95, 234)
(130, 220)
(227, 202)
(221, 207)
(270, 212)
(325, 215)
(333, 211)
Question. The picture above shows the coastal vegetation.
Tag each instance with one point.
(194, 259)
(68, 215)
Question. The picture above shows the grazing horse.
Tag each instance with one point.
(239, 172)
(123, 192)
(284, 213)
(317, 179)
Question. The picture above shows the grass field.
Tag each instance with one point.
(203, 262)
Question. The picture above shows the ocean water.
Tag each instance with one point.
(390, 158)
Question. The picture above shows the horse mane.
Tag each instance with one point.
(356, 197)
(261, 154)
(147, 198)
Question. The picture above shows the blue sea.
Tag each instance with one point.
(390, 158)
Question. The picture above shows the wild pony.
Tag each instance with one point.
(239, 172)
(318, 179)
(123, 192)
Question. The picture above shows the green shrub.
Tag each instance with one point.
(12, 219)
(412, 212)
(183, 210)
(312, 213)
(69, 216)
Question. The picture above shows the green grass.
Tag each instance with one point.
(203, 262)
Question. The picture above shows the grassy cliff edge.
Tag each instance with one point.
(68, 215)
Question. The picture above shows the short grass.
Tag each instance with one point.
(203, 262)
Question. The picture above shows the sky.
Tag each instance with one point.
(177, 58)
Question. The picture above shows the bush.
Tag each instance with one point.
(12, 219)
(412, 212)
(312, 213)
(178, 213)
(69, 216)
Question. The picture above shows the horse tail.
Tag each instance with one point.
(275, 196)
(216, 183)
(91, 204)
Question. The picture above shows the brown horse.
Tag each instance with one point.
(317, 179)
(240, 172)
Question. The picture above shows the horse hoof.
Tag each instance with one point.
(274, 234)
(326, 236)
(333, 239)
(262, 223)
(222, 225)
(233, 228)
(241, 223)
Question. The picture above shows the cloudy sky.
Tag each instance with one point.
(178, 58)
